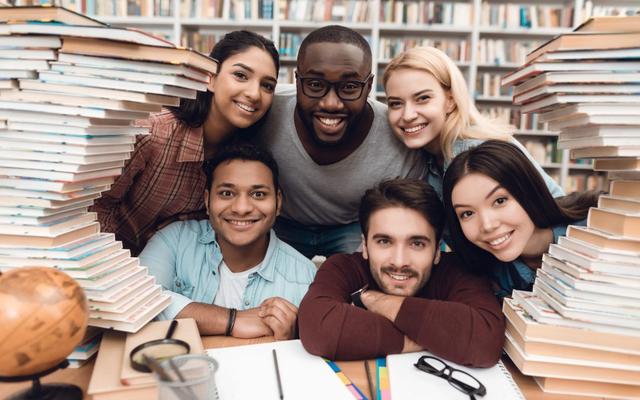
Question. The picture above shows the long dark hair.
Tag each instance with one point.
(505, 163)
(193, 112)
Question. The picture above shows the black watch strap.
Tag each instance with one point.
(355, 297)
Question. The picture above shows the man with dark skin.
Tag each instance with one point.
(332, 142)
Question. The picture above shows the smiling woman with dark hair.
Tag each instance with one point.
(163, 181)
(501, 215)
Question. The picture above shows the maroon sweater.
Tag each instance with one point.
(455, 315)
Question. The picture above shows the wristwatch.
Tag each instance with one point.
(355, 297)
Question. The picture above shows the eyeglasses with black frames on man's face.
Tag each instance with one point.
(347, 90)
(457, 378)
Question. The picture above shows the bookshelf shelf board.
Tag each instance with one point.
(386, 27)
(551, 165)
(535, 132)
(226, 23)
(490, 30)
(495, 99)
(137, 20)
(356, 26)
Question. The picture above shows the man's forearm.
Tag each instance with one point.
(382, 304)
(211, 319)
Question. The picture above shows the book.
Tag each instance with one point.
(70, 250)
(557, 99)
(52, 118)
(558, 367)
(140, 287)
(31, 41)
(106, 83)
(49, 241)
(83, 101)
(46, 14)
(530, 70)
(60, 176)
(543, 313)
(588, 109)
(593, 264)
(575, 88)
(303, 376)
(48, 230)
(578, 121)
(129, 65)
(586, 41)
(585, 277)
(29, 220)
(599, 131)
(78, 130)
(105, 379)
(87, 140)
(625, 188)
(134, 76)
(615, 222)
(81, 111)
(138, 52)
(187, 330)
(587, 388)
(134, 321)
(124, 95)
(617, 163)
(605, 151)
(89, 263)
(406, 381)
(572, 143)
(629, 23)
(550, 296)
(532, 330)
(562, 77)
(619, 204)
(67, 158)
(122, 36)
(614, 54)
(80, 149)
(60, 166)
(589, 356)
(28, 54)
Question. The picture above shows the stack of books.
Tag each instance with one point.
(578, 332)
(70, 89)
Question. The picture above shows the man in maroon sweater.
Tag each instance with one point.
(415, 299)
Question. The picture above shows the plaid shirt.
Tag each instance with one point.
(162, 182)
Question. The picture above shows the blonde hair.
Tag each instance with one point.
(464, 121)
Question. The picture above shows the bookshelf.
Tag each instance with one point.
(486, 38)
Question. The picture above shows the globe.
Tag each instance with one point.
(43, 316)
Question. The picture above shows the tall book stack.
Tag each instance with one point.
(578, 332)
(70, 89)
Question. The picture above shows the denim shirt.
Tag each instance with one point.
(185, 258)
(518, 275)
(435, 174)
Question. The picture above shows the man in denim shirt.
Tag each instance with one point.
(230, 272)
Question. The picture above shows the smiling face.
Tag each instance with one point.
(401, 248)
(492, 219)
(330, 119)
(243, 204)
(418, 106)
(243, 88)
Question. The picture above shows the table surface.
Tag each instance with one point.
(353, 369)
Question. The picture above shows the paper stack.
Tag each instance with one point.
(70, 89)
(579, 331)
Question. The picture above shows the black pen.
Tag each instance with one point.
(275, 363)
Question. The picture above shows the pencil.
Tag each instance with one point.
(368, 372)
(275, 363)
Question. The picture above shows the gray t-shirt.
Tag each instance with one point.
(330, 194)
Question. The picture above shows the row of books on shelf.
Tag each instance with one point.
(592, 9)
(457, 49)
(324, 11)
(500, 52)
(426, 12)
(488, 84)
(526, 16)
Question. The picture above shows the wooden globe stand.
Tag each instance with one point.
(49, 391)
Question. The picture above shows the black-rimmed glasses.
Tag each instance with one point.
(347, 90)
(459, 379)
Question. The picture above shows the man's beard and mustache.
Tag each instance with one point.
(390, 287)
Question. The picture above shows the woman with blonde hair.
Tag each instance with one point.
(430, 108)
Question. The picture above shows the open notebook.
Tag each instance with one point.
(247, 372)
(408, 383)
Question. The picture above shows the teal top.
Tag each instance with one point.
(435, 174)
(184, 257)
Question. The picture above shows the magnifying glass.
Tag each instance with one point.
(160, 349)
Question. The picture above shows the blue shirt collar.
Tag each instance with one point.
(267, 268)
